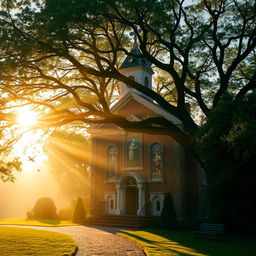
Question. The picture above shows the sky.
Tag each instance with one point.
(19, 197)
(47, 172)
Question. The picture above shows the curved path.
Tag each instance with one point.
(98, 241)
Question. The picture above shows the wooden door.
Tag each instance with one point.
(131, 200)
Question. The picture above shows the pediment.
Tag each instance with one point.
(135, 107)
(138, 100)
(133, 118)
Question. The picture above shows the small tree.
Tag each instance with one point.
(79, 212)
(168, 214)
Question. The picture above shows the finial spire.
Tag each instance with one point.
(135, 38)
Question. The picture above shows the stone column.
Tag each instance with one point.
(142, 207)
(118, 199)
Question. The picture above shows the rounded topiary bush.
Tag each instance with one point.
(44, 209)
(79, 212)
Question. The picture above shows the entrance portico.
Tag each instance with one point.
(130, 191)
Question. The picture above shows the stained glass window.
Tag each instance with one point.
(112, 162)
(156, 160)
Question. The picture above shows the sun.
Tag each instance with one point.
(26, 117)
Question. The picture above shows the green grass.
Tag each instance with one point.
(27, 241)
(36, 222)
(156, 242)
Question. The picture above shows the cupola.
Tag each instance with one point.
(136, 68)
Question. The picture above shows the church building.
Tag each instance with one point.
(132, 172)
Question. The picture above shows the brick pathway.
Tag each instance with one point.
(98, 241)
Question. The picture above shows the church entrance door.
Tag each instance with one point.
(131, 197)
(131, 200)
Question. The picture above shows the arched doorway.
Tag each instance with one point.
(131, 196)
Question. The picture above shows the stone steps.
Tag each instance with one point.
(121, 221)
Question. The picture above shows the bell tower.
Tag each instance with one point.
(136, 68)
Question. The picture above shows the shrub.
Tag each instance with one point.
(30, 214)
(65, 213)
(79, 212)
(44, 208)
(168, 214)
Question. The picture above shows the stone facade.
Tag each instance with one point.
(134, 181)
(131, 172)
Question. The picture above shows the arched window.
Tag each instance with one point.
(156, 199)
(112, 162)
(156, 161)
(133, 150)
(146, 82)
(110, 202)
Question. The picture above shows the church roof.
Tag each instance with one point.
(131, 61)
(146, 101)
(142, 99)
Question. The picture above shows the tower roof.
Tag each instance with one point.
(131, 61)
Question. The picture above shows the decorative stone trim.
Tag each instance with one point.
(110, 198)
(157, 202)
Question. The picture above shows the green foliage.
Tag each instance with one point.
(229, 131)
(8, 169)
(79, 212)
(44, 208)
(71, 51)
(227, 144)
(168, 214)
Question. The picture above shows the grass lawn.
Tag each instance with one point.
(27, 241)
(36, 222)
(156, 242)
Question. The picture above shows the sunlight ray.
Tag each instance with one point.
(73, 149)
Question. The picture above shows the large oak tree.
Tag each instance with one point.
(62, 58)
